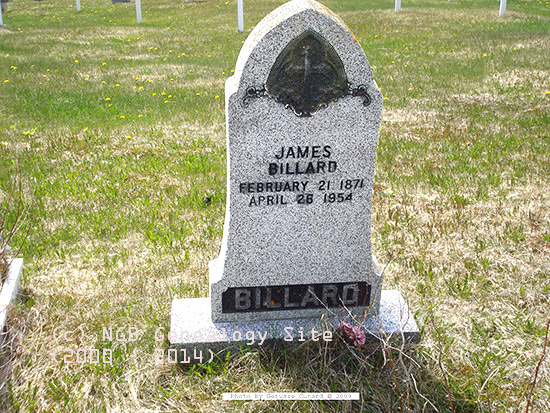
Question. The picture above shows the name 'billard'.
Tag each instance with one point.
(247, 298)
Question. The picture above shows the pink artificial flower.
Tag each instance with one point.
(360, 338)
(353, 333)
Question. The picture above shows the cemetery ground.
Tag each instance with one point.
(117, 132)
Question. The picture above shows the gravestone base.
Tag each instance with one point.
(193, 330)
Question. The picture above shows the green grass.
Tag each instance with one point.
(118, 131)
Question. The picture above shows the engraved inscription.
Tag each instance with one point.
(302, 163)
(300, 168)
(302, 296)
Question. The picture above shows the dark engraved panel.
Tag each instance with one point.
(295, 297)
(307, 75)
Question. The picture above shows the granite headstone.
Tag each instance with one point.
(303, 114)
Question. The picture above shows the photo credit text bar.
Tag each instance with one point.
(290, 396)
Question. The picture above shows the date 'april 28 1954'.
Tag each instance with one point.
(275, 193)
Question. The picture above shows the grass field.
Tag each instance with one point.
(117, 131)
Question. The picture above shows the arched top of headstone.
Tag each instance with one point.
(306, 38)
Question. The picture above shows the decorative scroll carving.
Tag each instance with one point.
(252, 93)
(361, 91)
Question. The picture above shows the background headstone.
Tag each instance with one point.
(240, 16)
(502, 8)
(138, 11)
